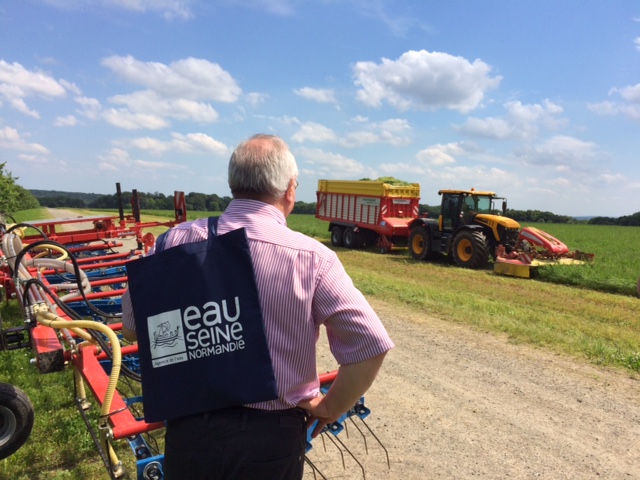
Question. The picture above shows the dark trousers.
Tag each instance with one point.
(237, 444)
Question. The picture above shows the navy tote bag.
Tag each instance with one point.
(201, 337)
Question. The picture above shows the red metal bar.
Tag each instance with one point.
(102, 258)
(93, 296)
(122, 421)
(326, 378)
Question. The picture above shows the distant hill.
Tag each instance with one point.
(87, 197)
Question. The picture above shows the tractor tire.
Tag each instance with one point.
(419, 243)
(471, 250)
(352, 239)
(16, 419)
(337, 237)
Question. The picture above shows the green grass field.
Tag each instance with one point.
(589, 312)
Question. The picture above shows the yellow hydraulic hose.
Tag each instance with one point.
(45, 317)
(64, 253)
(48, 319)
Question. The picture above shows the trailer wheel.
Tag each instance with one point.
(419, 243)
(470, 249)
(352, 239)
(336, 237)
(16, 419)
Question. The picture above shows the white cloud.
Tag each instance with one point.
(314, 132)
(190, 78)
(177, 91)
(394, 169)
(637, 43)
(630, 93)
(11, 139)
(255, 98)
(520, 122)
(17, 83)
(281, 8)
(562, 152)
(476, 176)
(150, 103)
(331, 165)
(438, 155)
(67, 121)
(629, 106)
(89, 107)
(133, 121)
(189, 143)
(316, 94)
(118, 159)
(169, 9)
(115, 160)
(424, 80)
(393, 132)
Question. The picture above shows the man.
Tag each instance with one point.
(301, 285)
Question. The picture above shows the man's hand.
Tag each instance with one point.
(318, 410)
(349, 385)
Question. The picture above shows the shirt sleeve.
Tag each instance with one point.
(354, 331)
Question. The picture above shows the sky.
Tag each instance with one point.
(537, 101)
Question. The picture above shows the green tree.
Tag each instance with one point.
(13, 197)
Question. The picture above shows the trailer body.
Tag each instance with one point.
(365, 213)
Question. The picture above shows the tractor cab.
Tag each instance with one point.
(460, 207)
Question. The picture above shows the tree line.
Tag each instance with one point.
(14, 198)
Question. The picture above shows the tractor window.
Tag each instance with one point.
(483, 204)
(451, 211)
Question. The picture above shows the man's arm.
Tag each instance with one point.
(351, 382)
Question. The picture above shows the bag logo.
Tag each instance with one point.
(181, 335)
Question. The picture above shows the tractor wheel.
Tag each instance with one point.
(470, 249)
(336, 237)
(419, 243)
(352, 239)
(16, 419)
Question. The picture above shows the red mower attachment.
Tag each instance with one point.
(535, 248)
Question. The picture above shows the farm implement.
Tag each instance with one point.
(68, 284)
(535, 248)
(470, 230)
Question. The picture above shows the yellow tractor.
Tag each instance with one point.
(469, 229)
(472, 230)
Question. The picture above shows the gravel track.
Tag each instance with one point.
(452, 403)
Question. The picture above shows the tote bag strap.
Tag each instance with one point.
(212, 225)
(212, 228)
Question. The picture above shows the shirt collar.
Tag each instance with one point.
(243, 207)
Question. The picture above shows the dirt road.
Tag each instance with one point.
(451, 403)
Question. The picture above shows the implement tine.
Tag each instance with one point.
(366, 447)
(314, 469)
(331, 437)
(379, 442)
(336, 439)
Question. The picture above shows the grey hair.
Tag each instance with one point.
(261, 166)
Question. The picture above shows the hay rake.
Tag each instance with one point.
(69, 284)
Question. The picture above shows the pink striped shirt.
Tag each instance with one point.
(301, 285)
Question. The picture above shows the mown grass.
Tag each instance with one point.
(589, 312)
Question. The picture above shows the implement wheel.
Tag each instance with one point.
(16, 419)
(419, 243)
(470, 249)
(352, 239)
(336, 237)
